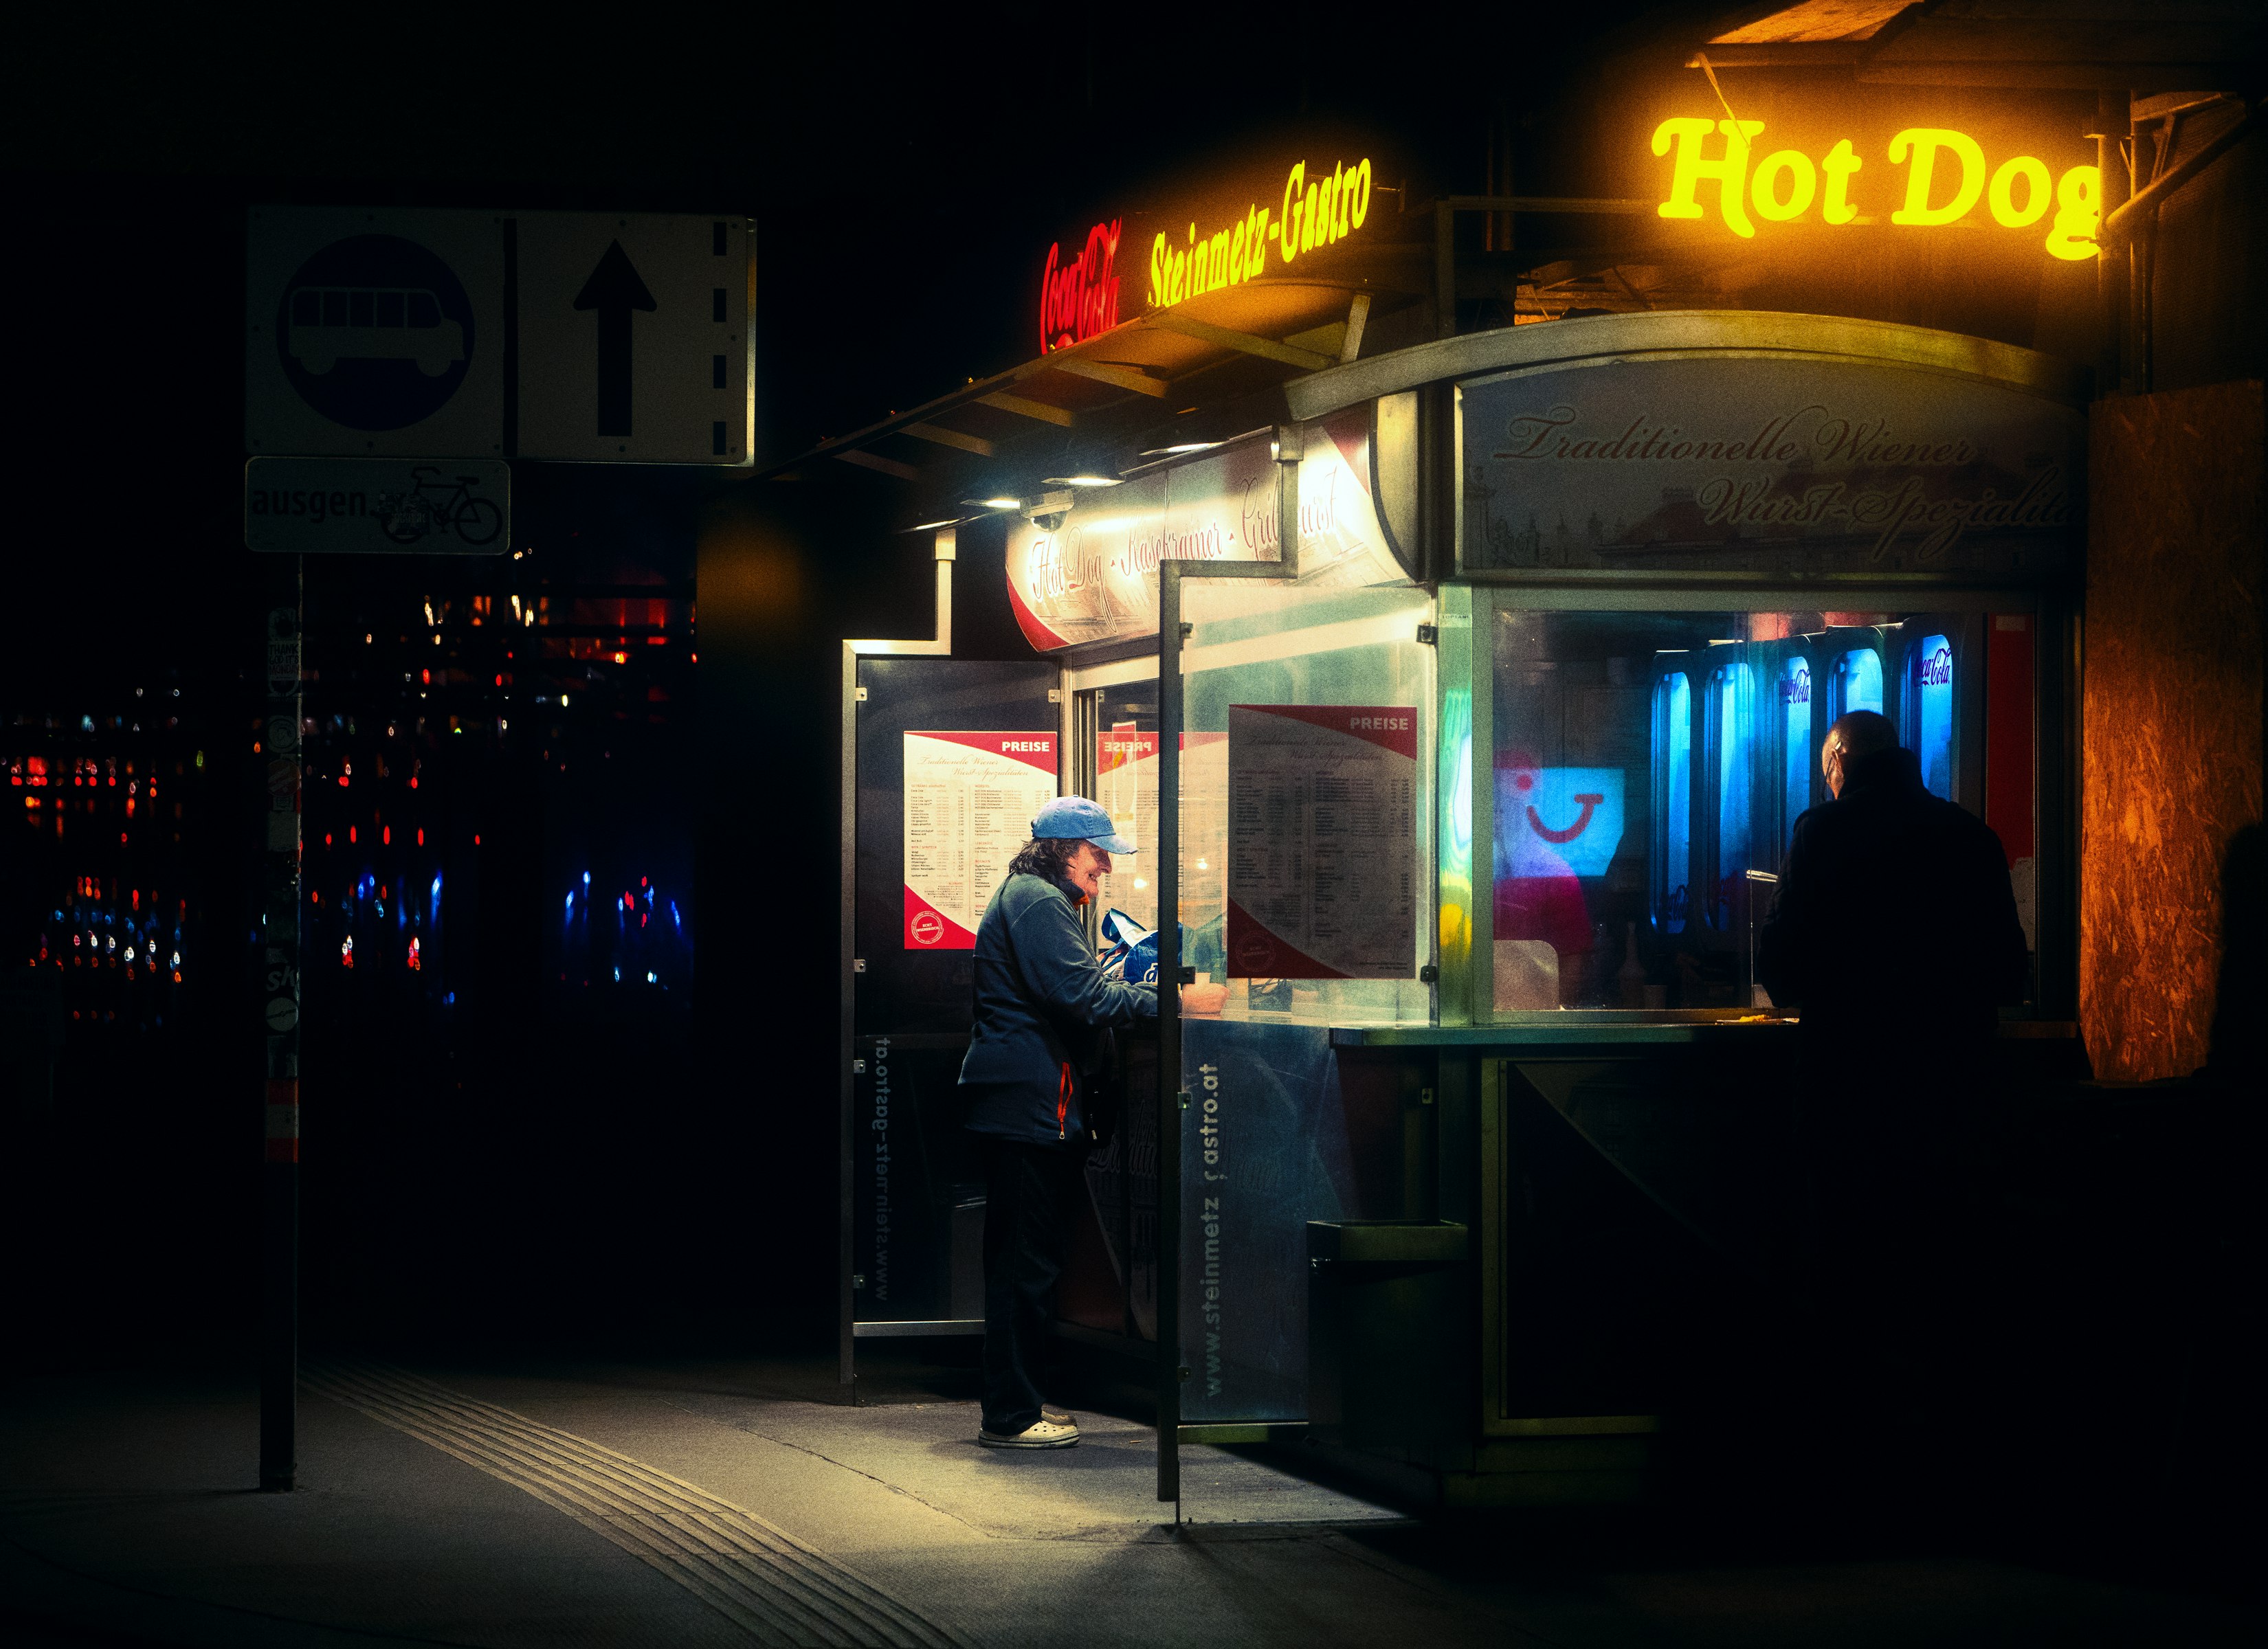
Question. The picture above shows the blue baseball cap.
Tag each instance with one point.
(1076, 817)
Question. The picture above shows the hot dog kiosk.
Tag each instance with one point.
(1461, 688)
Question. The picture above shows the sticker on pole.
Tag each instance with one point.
(970, 801)
(1322, 862)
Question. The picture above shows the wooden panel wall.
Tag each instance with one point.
(2172, 711)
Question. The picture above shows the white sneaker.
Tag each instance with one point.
(1041, 1433)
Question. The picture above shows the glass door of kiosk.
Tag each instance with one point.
(1109, 1282)
(947, 760)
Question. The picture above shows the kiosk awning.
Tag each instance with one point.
(1167, 375)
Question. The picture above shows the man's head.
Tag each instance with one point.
(1074, 838)
(1851, 739)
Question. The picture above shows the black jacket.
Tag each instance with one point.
(1043, 1006)
(1893, 910)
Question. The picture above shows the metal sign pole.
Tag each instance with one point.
(279, 918)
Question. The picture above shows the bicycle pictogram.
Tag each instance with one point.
(435, 505)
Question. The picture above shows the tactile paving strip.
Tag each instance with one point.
(760, 1577)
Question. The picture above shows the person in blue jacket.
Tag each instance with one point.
(1043, 1008)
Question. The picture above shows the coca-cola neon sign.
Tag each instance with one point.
(1313, 209)
(1079, 299)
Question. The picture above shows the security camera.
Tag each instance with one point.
(1047, 512)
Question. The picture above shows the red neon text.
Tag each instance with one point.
(1079, 299)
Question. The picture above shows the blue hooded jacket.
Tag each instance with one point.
(1043, 1005)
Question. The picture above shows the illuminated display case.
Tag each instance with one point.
(1641, 821)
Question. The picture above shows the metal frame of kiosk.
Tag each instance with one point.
(1446, 1326)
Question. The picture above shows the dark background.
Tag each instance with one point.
(494, 1148)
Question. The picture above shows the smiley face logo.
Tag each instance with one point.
(1563, 819)
(1588, 800)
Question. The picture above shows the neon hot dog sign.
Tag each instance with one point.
(1946, 177)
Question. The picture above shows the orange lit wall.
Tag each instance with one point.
(2172, 762)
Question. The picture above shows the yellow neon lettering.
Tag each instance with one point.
(1313, 214)
(1841, 162)
(2079, 212)
(2038, 193)
(1764, 193)
(1924, 142)
(1730, 171)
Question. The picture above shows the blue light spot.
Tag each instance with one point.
(587, 878)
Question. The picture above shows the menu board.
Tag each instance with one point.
(970, 801)
(1126, 785)
(1322, 859)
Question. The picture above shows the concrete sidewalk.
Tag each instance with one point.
(724, 1503)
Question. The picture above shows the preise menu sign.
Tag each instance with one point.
(970, 801)
(1322, 860)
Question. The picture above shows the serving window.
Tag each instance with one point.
(1650, 767)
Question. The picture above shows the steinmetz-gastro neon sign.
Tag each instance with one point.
(1314, 211)
(1945, 177)
(1078, 294)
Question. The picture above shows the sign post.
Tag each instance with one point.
(394, 359)
(279, 939)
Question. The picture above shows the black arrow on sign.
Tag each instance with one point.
(613, 290)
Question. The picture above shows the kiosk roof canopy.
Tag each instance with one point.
(2142, 46)
(1221, 353)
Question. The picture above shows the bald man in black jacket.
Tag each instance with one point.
(1895, 934)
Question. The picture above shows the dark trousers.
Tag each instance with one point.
(1898, 1252)
(1027, 1204)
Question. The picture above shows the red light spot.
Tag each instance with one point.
(499, 680)
(421, 838)
(413, 780)
(1526, 781)
(342, 781)
(476, 840)
(350, 833)
(386, 835)
(327, 838)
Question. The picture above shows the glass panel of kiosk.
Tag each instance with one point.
(1307, 885)
(1651, 767)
